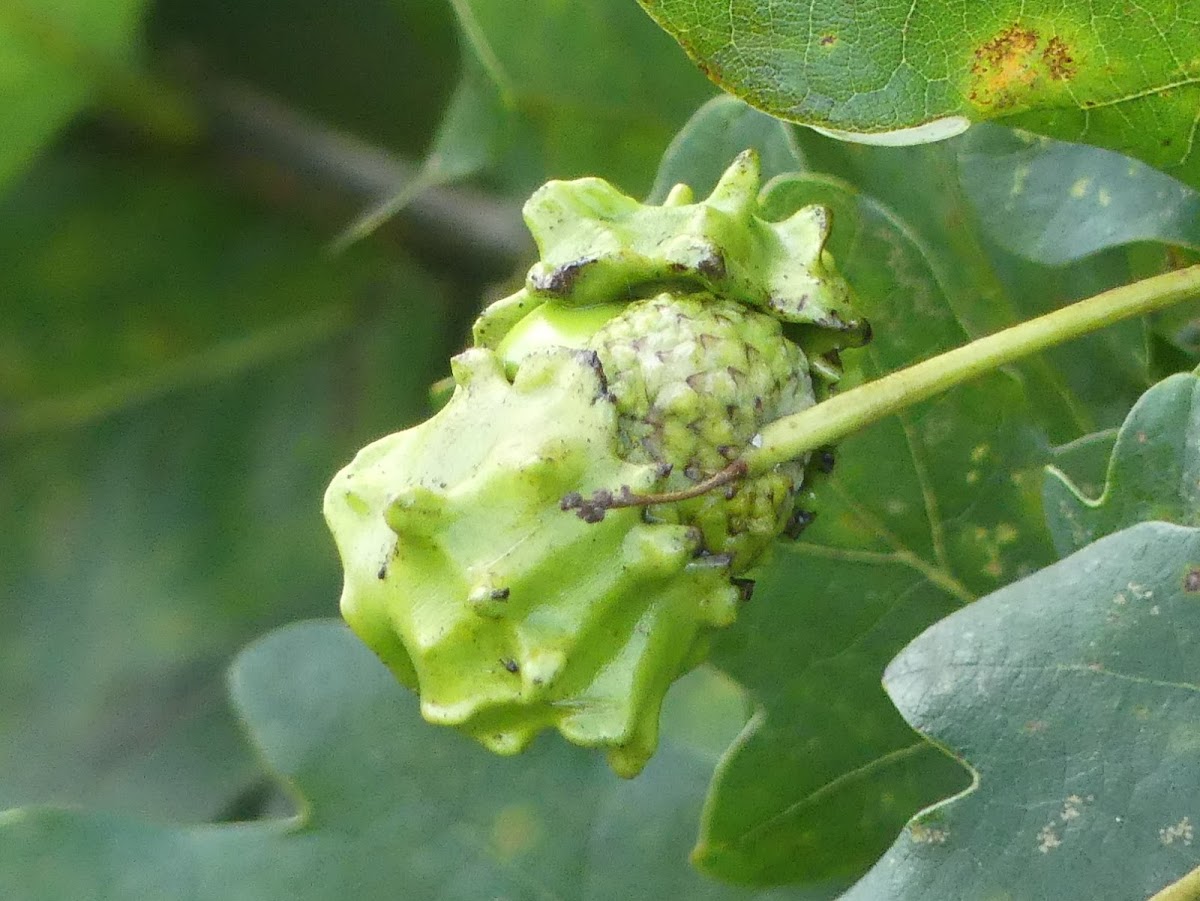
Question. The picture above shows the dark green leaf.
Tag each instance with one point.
(1176, 333)
(52, 61)
(1083, 386)
(471, 130)
(1085, 460)
(716, 134)
(922, 512)
(1126, 79)
(595, 88)
(1154, 473)
(388, 806)
(380, 70)
(180, 377)
(1056, 202)
(1072, 694)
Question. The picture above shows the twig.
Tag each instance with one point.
(593, 507)
(247, 124)
(793, 436)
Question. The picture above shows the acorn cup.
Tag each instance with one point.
(539, 552)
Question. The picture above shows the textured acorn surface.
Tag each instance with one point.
(694, 378)
(506, 614)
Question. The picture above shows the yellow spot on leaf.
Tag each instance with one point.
(1048, 839)
(992, 542)
(1071, 808)
(1049, 836)
(1080, 188)
(515, 830)
(1020, 177)
(1016, 63)
(928, 835)
(1027, 480)
(1181, 832)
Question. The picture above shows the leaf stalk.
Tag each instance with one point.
(834, 419)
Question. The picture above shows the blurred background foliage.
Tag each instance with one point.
(184, 361)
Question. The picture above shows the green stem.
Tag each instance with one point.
(793, 436)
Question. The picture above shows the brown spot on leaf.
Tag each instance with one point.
(1191, 581)
(1013, 64)
(1010, 46)
(1059, 62)
(710, 69)
(828, 40)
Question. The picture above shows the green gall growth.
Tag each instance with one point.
(507, 614)
(540, 553)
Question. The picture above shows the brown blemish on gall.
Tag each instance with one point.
(562, 279)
